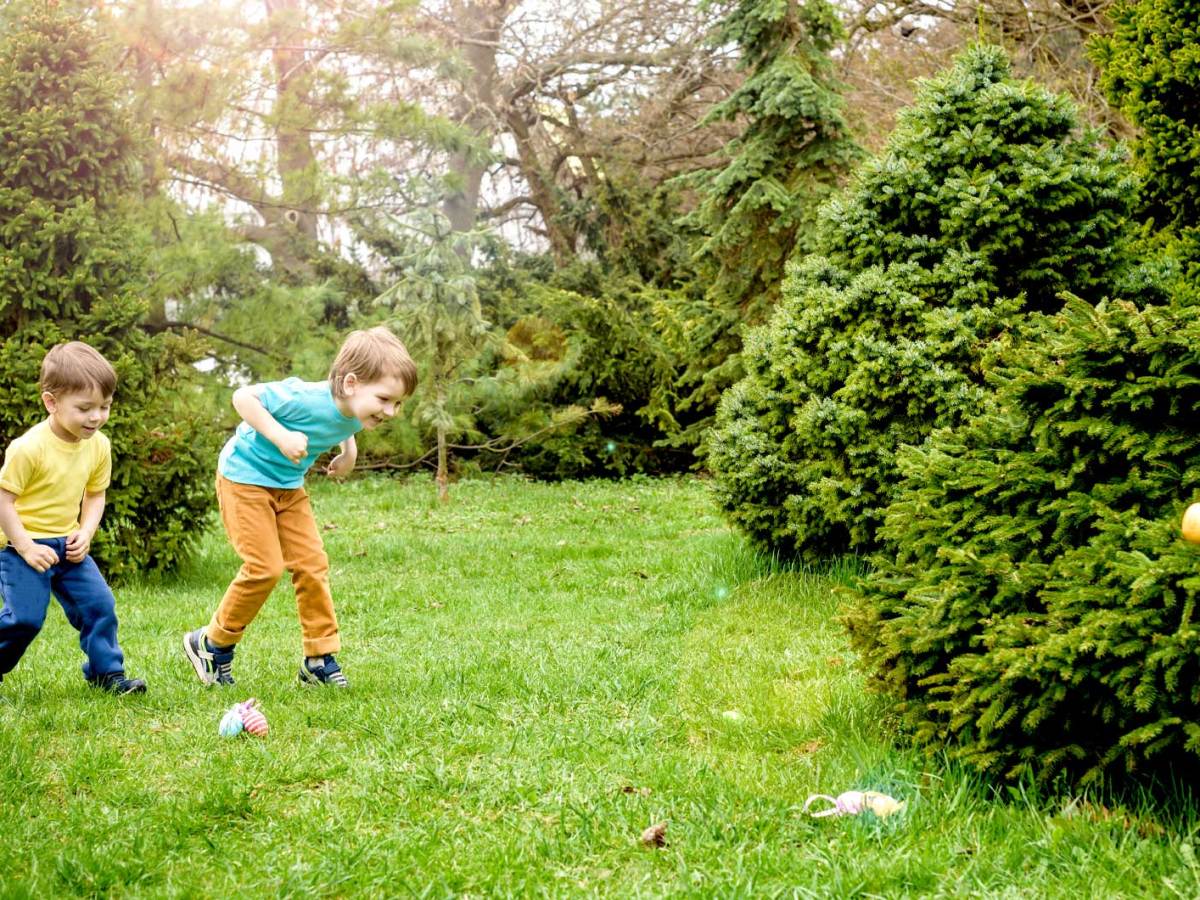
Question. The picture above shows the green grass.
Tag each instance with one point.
(539, 673)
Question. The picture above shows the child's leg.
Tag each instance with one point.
(92, 610)
(249, 513)
(26, 595)
(304, 555)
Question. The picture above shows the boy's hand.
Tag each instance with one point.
(79, 544)
(340, 466)
(39, 556)
(293, 445)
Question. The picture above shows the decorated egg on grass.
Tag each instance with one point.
(243, 717)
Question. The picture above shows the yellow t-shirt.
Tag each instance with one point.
(50, 476)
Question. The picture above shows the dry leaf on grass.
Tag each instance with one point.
(655, 835)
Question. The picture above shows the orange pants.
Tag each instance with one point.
(273, 529)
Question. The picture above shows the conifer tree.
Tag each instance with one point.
(1035, 609)
(1151, 71)
(755, 211)
(71, 267)
(987, 202)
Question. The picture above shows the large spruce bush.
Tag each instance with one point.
(1038, 609)
(987, 202)
(71, 265)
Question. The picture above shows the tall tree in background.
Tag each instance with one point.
(756, 210)
(892, 43)
(292, 113)
(72, 266)
(436, 306)
(1151, 65)
(563, 94)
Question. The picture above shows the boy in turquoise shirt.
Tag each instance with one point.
(286, 426)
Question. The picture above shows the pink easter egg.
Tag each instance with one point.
(253, 719)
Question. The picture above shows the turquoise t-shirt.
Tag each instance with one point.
(304, 406)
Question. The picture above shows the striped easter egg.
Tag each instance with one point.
(253, 719)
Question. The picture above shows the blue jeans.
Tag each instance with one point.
(85, 598)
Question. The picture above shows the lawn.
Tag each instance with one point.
(539, 672)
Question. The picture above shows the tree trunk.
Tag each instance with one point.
(479, 24)
(443, 475)
(443, 467)
(297, 163)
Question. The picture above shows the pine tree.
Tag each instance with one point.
(987, 202)
(1037, 611)
(72, 267)
(754, 212)
(1151, 71)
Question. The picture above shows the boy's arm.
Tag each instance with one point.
(39, 556)
(79, 543)
(341, 465)
(292, 444)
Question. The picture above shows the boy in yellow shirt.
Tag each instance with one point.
(52, 488)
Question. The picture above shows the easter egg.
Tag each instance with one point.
(253, 719)
(1191, 523)
(231, 723)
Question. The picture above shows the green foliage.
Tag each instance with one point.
(1037, 611)
(1151, 71)
(986, 203)
(609, 360)
(72, 266)
(754, 212)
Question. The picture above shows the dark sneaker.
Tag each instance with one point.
(213, 665)
(117, 683)
(329, 672)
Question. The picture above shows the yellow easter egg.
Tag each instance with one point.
(1191, 523)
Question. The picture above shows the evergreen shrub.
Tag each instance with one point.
(1037, 610)
(595, 332)
(71, 266)
(987, 202)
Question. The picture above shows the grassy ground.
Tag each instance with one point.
(539, 673)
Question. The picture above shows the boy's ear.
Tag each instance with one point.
(49, 402)
(349, 381)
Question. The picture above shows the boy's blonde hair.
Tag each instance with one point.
(75, 368)
(371, 355)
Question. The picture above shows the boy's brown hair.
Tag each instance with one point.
(74, 368)
(371, 355)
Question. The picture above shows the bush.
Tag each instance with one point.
(986, 203)
(1151, 70)
(71, 266)
(1038, 610)
(595, 333)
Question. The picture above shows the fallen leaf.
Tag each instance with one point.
(655, 835)
(523, 520)
(330, 526)
(808, 748)
(640, 791)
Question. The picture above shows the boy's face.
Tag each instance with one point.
(77, 415)
(372, 402)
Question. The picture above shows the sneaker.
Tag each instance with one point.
(213, 665)
(329, 672)
(117, 683)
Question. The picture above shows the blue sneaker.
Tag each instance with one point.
(213, 665)
(328, 672)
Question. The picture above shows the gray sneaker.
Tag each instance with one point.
(213, 665)
(329, 672)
